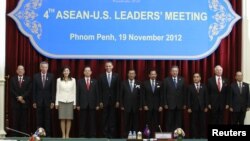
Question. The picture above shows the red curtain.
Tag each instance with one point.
(20, 51)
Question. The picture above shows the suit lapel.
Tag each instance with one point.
(106, 79)
(172, 82)
(237, 87)
(84, 84)
(128, 86)
(40, 80)
(112, 79)
(194, 88)
(243, 88)
(215, 84)
(150, 86)
(17, 81)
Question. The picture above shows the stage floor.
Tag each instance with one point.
(79, 139)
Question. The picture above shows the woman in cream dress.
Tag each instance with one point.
(65, 100)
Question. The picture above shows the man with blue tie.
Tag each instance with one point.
(174, 99)
(131, 101)
(239, 100)
(109, 84)
(44, 96)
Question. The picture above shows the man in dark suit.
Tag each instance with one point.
(109, 83)
(20, 87)
(197, 103)
(174, 97)
(43, 96)
(87, 103)
(239, 100)
(152, 100)
(218, 91)
(130, 101)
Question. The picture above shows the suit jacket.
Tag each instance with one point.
(130, 100)
(87, 97)
(174, 97)
(197, 100)
(109, 95)
(218, 99)
(66, 91)
(23, 91)
(43, 96)
(239, 101)
(152, 99)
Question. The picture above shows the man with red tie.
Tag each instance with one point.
(20, 86)
(87, 103)
(218, 91)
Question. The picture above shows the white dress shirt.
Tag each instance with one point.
(66, 91)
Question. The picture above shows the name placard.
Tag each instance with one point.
(163, 135)
(125, 29)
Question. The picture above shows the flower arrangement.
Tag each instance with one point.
(179, 134)
(40, 132)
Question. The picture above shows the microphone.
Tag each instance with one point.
(160, 128)
(13, 130)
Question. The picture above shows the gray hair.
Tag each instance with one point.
(218, 67)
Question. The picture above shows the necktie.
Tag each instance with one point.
(153, 85)
(131, 85)
(219, 84)
(43, 79)
(198, 88)
(109, 79)
(175, 82)
(88, 84)
(240, 87)
(20, 81)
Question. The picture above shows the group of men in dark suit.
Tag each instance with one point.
(109, 93)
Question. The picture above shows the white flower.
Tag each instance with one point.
(137, 86)
(179, 132)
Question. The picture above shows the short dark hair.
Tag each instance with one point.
(108, 62)
(44, 62)
(197, 73)
(152, 70)
(131, 70)
(86, 67)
